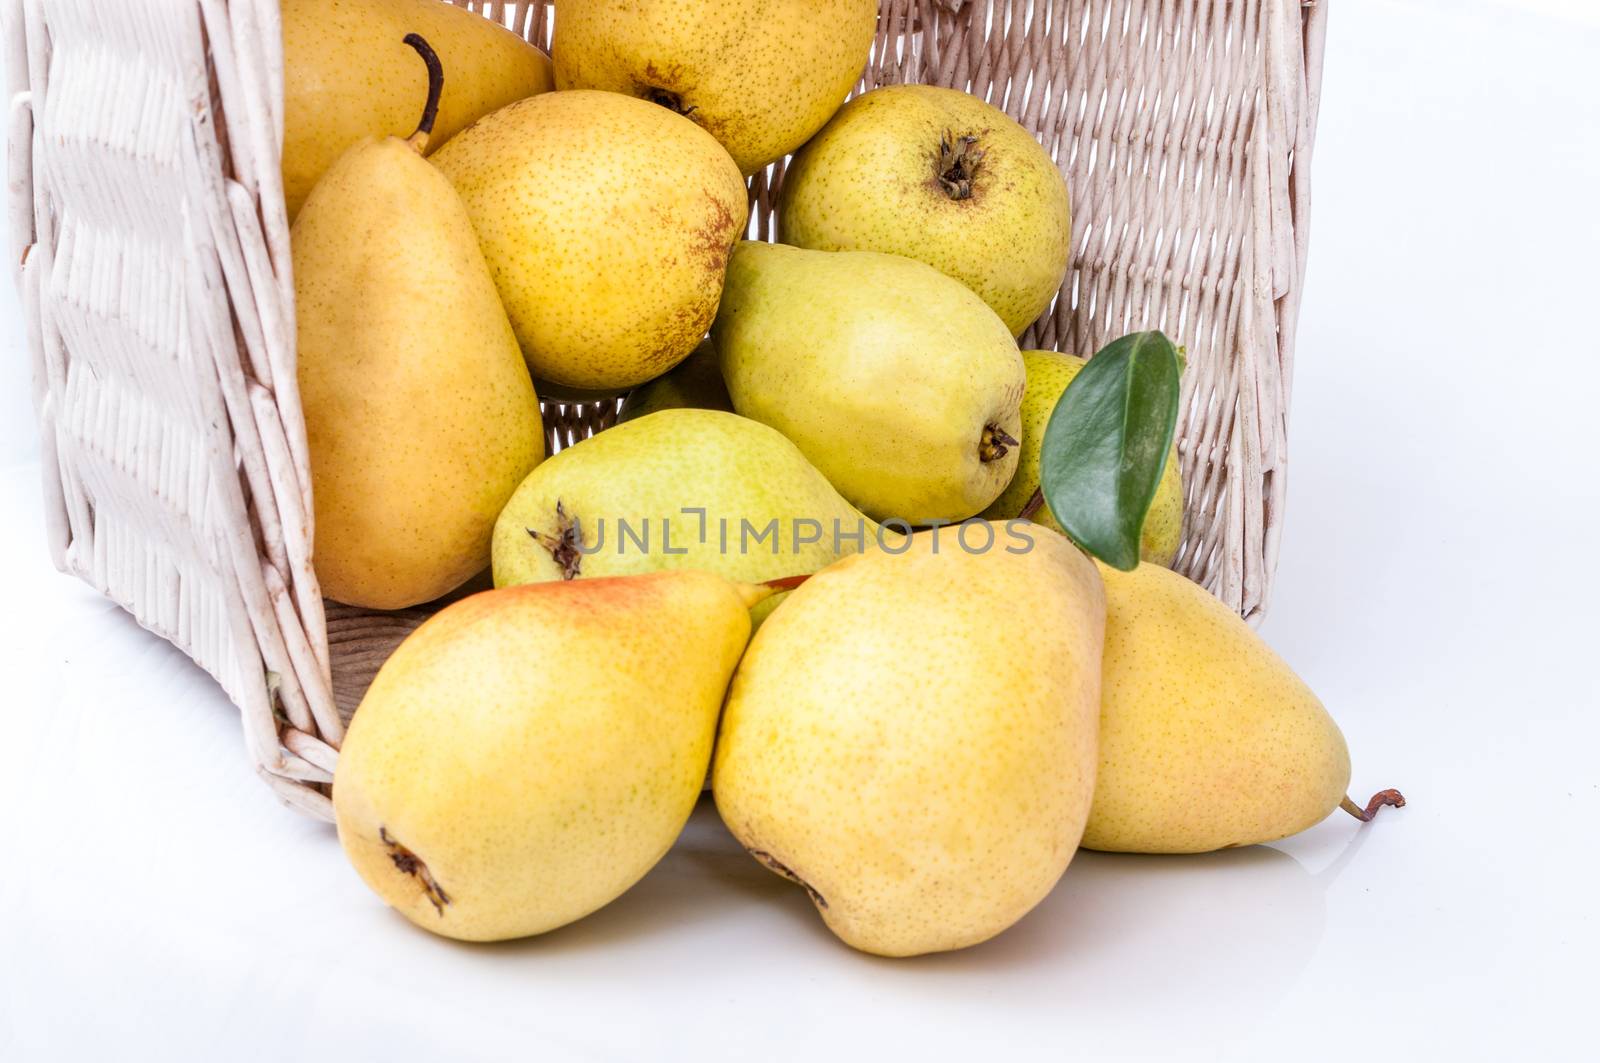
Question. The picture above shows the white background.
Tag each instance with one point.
(1436, 588)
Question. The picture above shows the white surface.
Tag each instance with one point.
(1436, 588)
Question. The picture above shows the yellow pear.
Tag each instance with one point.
(940, 176)
(529, 753)
(1207, 739)
(1049, 373)
(760, 75)
(680, 488)
(911, 736)
(419, 412)
(897, 382)
(607, 222)
(347, 76)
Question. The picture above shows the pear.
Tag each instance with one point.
(420, 415)
(607, 222)
(760, 76)
(1207, 739)
(1049, 373)
(911, 735)
(939, 176)
(695, 384)
(676, 489)
(528, 754)
(897, 382)
(346, 76)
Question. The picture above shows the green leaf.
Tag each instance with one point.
(1107, 442)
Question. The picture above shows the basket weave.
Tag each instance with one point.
(151, 248)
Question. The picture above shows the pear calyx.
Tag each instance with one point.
(430, 110)
(781, 868)
(995, 443)
(1393, 798)
(566, 546)
(668, 99)
(408, 863)
(958, 163)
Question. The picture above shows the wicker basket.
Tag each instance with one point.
(152, 252)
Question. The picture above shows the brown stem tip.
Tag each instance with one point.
(995, 443)
(407, 863)
(1035, 503)
(430, 110)
(959, 160)
(1393, 798)
(787, 583)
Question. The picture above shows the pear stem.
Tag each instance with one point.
(1035, 501)
(787, 583)
(1379, 799)
(430, 110)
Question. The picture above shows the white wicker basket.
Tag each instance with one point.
(151, 248)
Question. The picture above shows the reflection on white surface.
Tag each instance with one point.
(197, 897)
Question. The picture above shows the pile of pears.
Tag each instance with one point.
(915, 723)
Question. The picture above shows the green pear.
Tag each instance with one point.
(346, 76)
(420, 415)
(911, 735)
(760, 75)
(677, 489)
(897, 382)
(607, 222)
(1207, 739)
(695, 384)
(528, 754)
(942, 177)
(1049, 373)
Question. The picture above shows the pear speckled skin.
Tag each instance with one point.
(347, 75)
(648, 472)
(1049, 373)
(607, 222)
(760, 75)
(912, 737)
(529, 753)
(887, 374)
(420, 416)
(870, 181)
(1207, 739)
